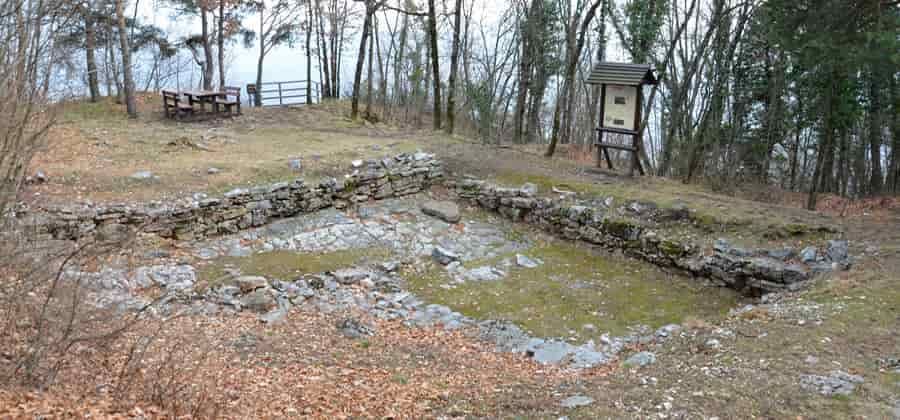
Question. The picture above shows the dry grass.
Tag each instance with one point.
(94, 149)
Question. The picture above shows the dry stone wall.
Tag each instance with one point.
(599, 222)
(241, 208)
(595, 221)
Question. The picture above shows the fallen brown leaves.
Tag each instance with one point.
(304, 368)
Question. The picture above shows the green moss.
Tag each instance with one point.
(706, 222)
(671, 248)
(619, 227)
(576, 286)
(286, 265)
(796, 228)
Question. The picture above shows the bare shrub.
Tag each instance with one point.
(53, 328)
(46, 316)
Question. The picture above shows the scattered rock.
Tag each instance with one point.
(358, 163)
(213, 171)
(259, 300)
(641, 359)
(444, 256)
(39, 177)
(549, 352)
(170, 277)
(667, 331)
(274, 317)
(447, 211)
(576, 401)
(838, 250)
(721, 245)
(563, 193)
(248, 284)
(586, 357)
(389, 266)
(524, 261)
(782, 254)
(239, 251)
(836, 383)
(713, 344)
(484, 273)
(352, 328)
(143, 176)
(808, 254)
(348, 276)
(529, 189)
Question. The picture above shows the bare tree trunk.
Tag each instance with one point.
(130, 104)
(257, 95)
(399, 90)
(573, 55)
(90, 47)
(382, 72)
(326, 82)
(526, 67)
(309, 26)
(795, 154)
(824, 145)
(360, 61)
(454, 69)
(221, 41)
(370, 77)
(436, 68)
(207, 49)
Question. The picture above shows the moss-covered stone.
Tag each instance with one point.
(671, 248)
(621, 229)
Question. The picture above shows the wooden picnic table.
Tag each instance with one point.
(204, 97)
(174, 105)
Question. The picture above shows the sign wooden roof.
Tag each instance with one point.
(622, 74)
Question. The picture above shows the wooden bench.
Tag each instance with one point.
(174, 107)
(634, 148)
(225, 100)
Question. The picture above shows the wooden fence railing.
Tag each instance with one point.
(294, 92)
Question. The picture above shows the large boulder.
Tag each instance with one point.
(248, 284)
(447, 211)
(444, 256)
(259, 301)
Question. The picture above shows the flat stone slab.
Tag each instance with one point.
(836, 383)
(248, 284)
(641, 359)
(444, 256)
(447, 211)
(576, 401)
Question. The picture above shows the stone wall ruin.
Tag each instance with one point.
(594, 221)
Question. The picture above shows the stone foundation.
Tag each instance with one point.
(599, 222)
(596, 221)
(240, 208)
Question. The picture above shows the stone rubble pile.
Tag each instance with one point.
(600, 222)
(375, 290)
(240, 208)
